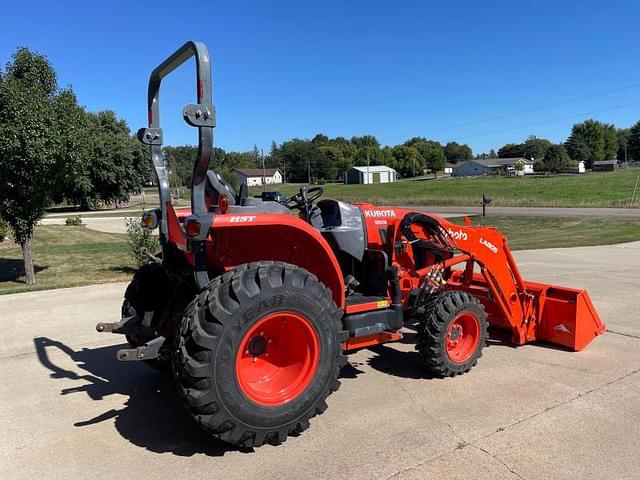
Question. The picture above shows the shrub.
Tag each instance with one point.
(141, 241)
(4, 230)
(73, 221)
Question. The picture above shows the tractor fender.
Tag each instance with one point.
(238, 239)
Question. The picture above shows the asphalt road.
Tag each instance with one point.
(70, 410)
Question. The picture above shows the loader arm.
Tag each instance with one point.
(532, 311)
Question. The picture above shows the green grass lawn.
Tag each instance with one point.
(74, 256)
(66, 257)
(525, 233)
(606, 189)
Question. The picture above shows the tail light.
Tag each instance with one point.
(150, 219)
(223, 203)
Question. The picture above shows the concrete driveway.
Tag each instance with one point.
(70, 410)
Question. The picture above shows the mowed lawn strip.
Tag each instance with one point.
(66, 256)
(72, 256)
(604, 189)
(529, 233)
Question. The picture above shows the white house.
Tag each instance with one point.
(488, 166)
(372, 174)
(257, 176)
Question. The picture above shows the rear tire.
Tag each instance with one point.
(229, 383)
(451, 333)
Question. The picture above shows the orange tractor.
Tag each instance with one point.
(253, 309)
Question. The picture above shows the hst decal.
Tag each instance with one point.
(242, 219)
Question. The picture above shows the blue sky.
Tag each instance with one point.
(482, 73)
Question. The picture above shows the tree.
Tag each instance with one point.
(180, 161)
(592, 141)
(72, 177)
(365, 141)
(556, 158)
(633, 147)
(430, 153)
(623, 135)
(407, 160)
(532, 147)
(329, 162)
(454, 152)
(492, 154)
(511, 150)
(115, 167)
(30, 147)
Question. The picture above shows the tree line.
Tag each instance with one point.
(589, 141)
(323, 158)
(326, 159)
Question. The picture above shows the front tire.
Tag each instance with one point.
(258, 352)
(452, 333)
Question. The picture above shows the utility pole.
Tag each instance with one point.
(309, 170)
(264, 172)
(368, 173)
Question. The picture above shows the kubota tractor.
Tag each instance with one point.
(253, 308)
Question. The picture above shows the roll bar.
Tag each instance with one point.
(200, 115)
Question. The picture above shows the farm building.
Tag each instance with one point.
(605, 166)
(372, 174)
(448, 168)
(473, 168)
(578, 168)
(257, 176)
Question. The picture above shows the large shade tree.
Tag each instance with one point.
(30, 147)
(592, 141)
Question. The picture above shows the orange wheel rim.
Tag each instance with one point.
(277, 358)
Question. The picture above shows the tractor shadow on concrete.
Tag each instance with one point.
(404, 363)
(152, 416)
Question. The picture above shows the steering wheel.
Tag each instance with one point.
(303, 200)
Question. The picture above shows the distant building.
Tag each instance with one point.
(257, 176)
(497, 166)
(579, 168)
(448, 168)
(372, 174)
(605, 166)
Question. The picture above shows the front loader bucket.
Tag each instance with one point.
(566, 316)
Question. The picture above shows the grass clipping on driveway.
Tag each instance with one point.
(67, 256)
(73, 256)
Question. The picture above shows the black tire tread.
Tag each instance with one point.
(199, 336)
(432, 332)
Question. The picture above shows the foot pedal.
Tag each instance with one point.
(147, 351)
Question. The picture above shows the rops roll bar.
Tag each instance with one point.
(200, 115)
